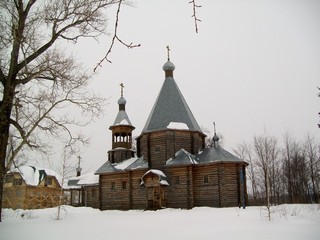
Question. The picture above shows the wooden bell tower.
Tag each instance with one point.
(121, 134)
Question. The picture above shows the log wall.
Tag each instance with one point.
(90, 196)
(158, 147)
(213, 185)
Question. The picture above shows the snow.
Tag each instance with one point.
(126, 163)
(31, 175)
(155, 171)
(159, 173)
(87, 179)
(124, 122)
(178, 125)
(288, 222)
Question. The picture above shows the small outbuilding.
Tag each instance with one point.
(29, 187)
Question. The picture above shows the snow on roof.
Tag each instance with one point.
(155, 171)
(178, 125)
(182, 157)
(160, 174)
(124, 122)
(126, 163)
(34, 175)
(86, 179)
(122, 119)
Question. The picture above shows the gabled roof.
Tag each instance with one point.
(162, 178)
(126, 165)
(182, 157)
(207, 155)
(170, 106)
(33, 176)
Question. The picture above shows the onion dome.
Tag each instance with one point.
(122, 101)
(168, 66)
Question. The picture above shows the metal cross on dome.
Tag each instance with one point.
(168, 51)
(122, 86)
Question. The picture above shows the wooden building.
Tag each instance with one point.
(31, 188)
(171, 168)
(83, 190)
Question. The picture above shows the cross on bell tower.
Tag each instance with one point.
(168, 52)
(121, 86)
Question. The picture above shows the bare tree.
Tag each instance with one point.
(245, 152)
(313, 163)
(38, 80)
(266, 151)
(67, 168)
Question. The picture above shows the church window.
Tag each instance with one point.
(113, 186)
(205, 179)
(124, 184)
(176, 179)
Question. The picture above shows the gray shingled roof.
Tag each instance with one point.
(122, 117)
(125, 165)
(217, 154)
(170, 106)
(208, 155)
(182, 157)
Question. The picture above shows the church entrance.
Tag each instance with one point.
(155, 182)
(156, 198)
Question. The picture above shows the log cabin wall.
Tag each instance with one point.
(229, 176)
(157, 147)
(177, 193)
(206, 185)
(114, 192)
(116, 156)
(138, 192)
(90, 196)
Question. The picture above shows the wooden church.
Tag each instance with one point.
(171, 167)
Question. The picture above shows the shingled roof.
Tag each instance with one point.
(170, 106)
(122, 117)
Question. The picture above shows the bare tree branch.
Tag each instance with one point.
(115, 37)
(196, 19)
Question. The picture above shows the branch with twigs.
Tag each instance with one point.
(114, 38)
(196, 19)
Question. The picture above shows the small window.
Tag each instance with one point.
(205, 179)
(176, 180)
(124, 184)
(113, 186)
(48, 181)
(9, 179)
(17, 181)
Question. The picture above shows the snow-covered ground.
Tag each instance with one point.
(288, 222)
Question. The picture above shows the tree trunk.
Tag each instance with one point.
(5, 114)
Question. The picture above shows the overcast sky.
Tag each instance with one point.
(254, 66)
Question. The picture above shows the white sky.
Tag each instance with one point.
(253, 66)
